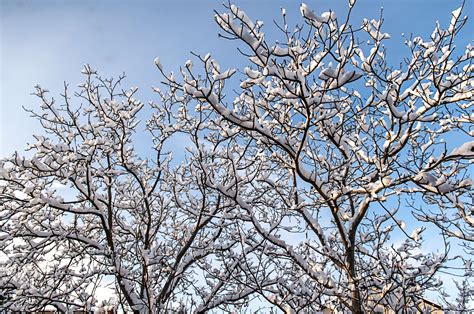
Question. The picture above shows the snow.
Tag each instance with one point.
(425, 178)
(416, 234)
(242, 15)
(252, 74)
(445, 188)
(309, 14)
(455, 16)
(466, 150)
(342, 77)
(470, 219)
(4, 174)
(328, 73)
(158, 63)
(20, 195)
(348, 77)
(224, 75)
(280, 51)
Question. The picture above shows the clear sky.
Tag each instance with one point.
(47, 42)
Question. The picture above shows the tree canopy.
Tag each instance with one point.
(292, 193)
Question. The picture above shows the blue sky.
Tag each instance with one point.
(47, 42)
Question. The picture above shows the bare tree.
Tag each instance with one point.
(299, 172)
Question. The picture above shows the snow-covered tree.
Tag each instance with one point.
(325, 147)
(300, 172)
(465, 296)
(83, 211)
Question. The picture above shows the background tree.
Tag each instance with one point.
(299, 172)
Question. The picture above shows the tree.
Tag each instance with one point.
(292, 191)
(465, 295)
(84, 207)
